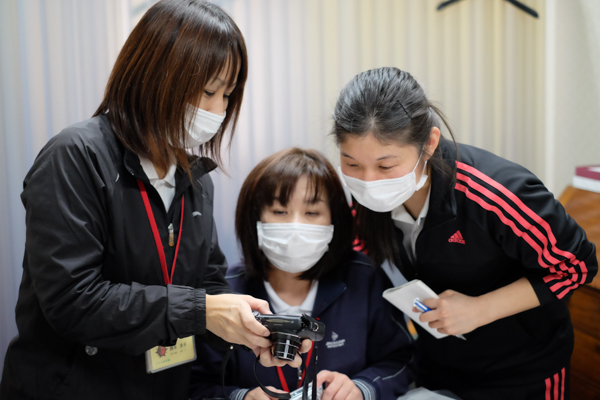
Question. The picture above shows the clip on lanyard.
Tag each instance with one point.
(282, 380)
(159, 245)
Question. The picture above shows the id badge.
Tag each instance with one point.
(160, 358)
(297, 394)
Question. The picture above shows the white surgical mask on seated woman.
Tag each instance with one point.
(385, 194)
(293, 247)
(201, 126)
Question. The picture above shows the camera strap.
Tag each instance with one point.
(314, 376)
(281, 396)
(315, 362)
(224, 368)
(287, 396)
(301, 371)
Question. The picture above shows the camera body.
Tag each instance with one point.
(288, 331)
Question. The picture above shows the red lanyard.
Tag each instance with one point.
(284, 385)
(159, 245)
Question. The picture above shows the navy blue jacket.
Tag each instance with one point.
(491, 225)
(366, 338)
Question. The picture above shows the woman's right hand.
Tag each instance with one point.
(230, 317)
(259, 394)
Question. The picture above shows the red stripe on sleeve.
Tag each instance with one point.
(562, 385)
(531, 228)
(524, 235)
(548, 386)
(530, 213)
(567, 276)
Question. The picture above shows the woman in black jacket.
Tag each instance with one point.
(482, 232)
(122, 268)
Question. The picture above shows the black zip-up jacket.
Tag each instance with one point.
(92, 275)
(492, 224)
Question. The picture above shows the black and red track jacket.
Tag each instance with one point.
(490, 225)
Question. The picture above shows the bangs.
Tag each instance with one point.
(224, 58)
(229, 68)
(281, 176)
(315, 188)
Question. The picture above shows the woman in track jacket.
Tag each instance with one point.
(295, 229)
(121, 253)
(482, 232)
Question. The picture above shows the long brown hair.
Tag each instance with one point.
(275, 177)
(174, 51)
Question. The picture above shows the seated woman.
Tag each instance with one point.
(295, 229)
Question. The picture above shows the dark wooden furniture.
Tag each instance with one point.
(584, 207)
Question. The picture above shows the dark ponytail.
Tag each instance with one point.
(391, 105)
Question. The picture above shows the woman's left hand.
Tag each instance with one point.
(454, 313)
(268, 360)
(339, 386)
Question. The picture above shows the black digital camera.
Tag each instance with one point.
(288, 331)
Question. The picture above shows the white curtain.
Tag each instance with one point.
(524, 88)
(482, 61)
(55, 58)
(572, 90)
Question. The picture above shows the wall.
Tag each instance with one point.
(481, 61)
(572, 90)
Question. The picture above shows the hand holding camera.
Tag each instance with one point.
(288, 331)
(230, 317)
(287, 334)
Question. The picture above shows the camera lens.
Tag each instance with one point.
(285, 345)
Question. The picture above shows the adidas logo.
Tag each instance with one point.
(457, 238)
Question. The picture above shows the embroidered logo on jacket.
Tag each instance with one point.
(335, 342)
(457, 238)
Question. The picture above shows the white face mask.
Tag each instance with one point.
(385, 194)
(202, 126)
(294, 247)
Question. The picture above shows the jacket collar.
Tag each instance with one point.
(199, 166)
(442, 204)
(329, 290)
